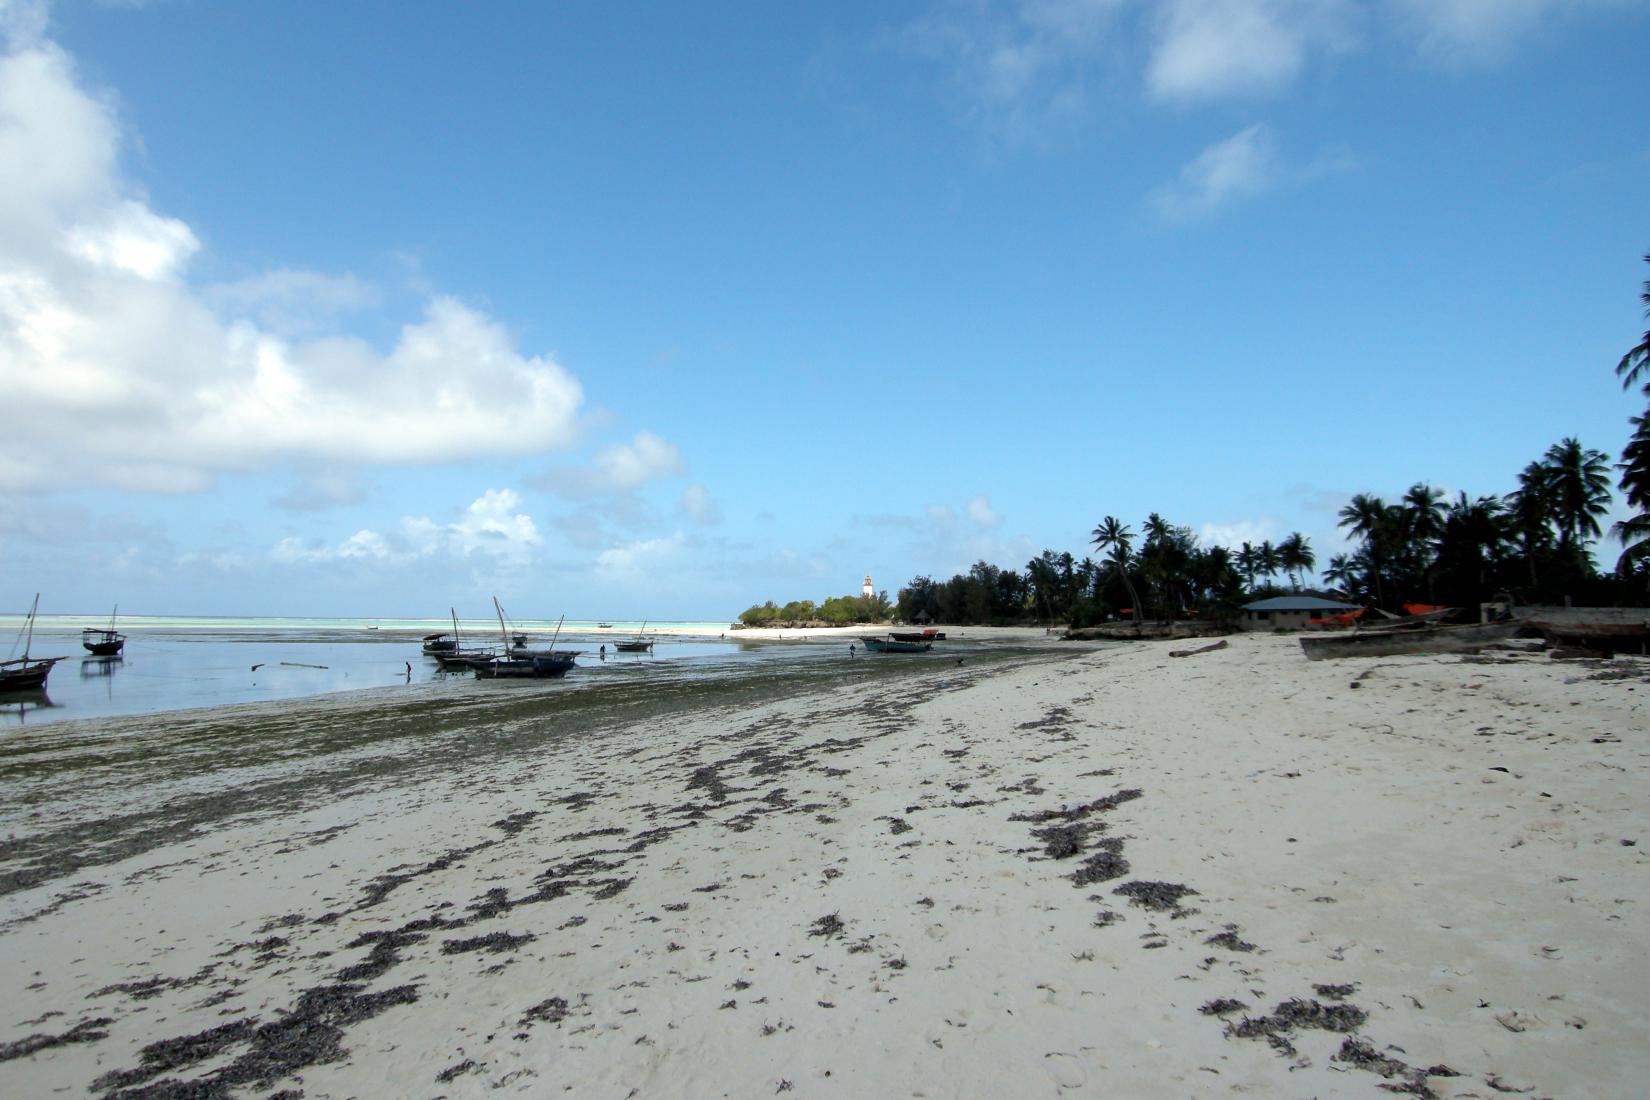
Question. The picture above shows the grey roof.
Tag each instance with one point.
(1298, 603)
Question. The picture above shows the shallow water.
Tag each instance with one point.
(177, 664)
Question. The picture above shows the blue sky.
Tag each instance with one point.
(664, 310)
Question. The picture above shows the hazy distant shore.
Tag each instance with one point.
(1065, 870)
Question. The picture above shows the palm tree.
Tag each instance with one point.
(1473, 539)
(1267, 561)
(1530, 509)
(1580, 484)
(1115, 538)
(1247, 561)
(1368, 518)
(1295, 553)
(1634, 532)
(1342, 573)
(1637, 359)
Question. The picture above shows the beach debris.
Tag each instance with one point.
(829, 926)
(551, 1010)
(1335, 992)
(256, 667)
(454, 1071)
(1230, 940)
(1220, 1006)
(87, 1031)
(1212, 647)
(300, 664)
(1159, 896)
(1514, 1020)
(492, 942)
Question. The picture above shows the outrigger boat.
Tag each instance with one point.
(27, 673)
(1423, 638)
(104, 643)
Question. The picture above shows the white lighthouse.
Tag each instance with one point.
(866, 587)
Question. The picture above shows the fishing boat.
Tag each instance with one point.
(641, 643)
(893, 644)
(1424, 638)
(928, 635)
(104, 643)
(458, 657)
(437, 644)
(27, 673)
(1601, 629)
(540, 665)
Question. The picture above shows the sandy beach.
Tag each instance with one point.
(1070, 872)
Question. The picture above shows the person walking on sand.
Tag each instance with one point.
(409, 672)
(850, 651)
(604, 651)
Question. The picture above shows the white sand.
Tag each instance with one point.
(1491, 920)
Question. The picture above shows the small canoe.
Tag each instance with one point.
(1392, 643)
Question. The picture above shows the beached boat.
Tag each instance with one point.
(929, 635)
(1604, 629)
(1422, 638)
(27, 673)
(639, 644)
(891, 644)
(538, 665)
(437, 644)
(459, 657)
(104, 643)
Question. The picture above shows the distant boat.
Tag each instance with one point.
(605, 626)
(895, 644)
(103, 643)
(929, 635)
(437, 644)
(540, 665)
(641, 643)
(27, 673)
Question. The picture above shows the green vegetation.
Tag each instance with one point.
(1534, 543)
(836, 611)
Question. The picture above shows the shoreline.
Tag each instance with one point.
(908, 886)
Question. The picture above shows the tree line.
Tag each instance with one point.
(1535, 543)
(835, 611)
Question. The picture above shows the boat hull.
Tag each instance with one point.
(891, 645)
(536, 668)
(26, 675)
(1392, 643)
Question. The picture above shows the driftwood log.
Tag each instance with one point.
(1210, 648)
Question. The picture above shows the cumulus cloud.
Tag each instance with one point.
(1210, 48)
(635, 561)
(118, 373)
(1234, 534)
(294, 303)
(490, 530)
(617, 468)
(1242, 165)
(697, 505)
(981, 513)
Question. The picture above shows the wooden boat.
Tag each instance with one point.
(929, 635)
(538, 666)
(103, 643)
(437, 644)
(27, 673)
(1604, 629)
(639, 644)
(1423, 638)
(891, 644)
(457, 657)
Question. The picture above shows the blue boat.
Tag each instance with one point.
(891, 644)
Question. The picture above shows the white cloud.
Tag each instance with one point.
(1234, 534)
(490, 530)
(941, 515)
(118, 373)
(1244, 164)
(635, 561)
(1210, 48)
(1482, 30)
(292, 302)
(697, 505)
(980, 511)
(617, 468)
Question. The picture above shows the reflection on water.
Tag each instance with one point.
(18, 707)
(183, 668)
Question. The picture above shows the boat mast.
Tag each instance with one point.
(458, 640)
(557, 634)
(504, 635)
(29, 639)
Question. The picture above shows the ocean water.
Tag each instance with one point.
(176, 663)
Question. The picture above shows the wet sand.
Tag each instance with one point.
(1062, 872)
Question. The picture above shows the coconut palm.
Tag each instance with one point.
(1342, 573)
(1580, 486)
(1116, 539)
(1637, 360)
(1530, 511)
(1368, 518)
(1247, 563)
(1295, 554)
(1267, 561)
(1634, 532)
